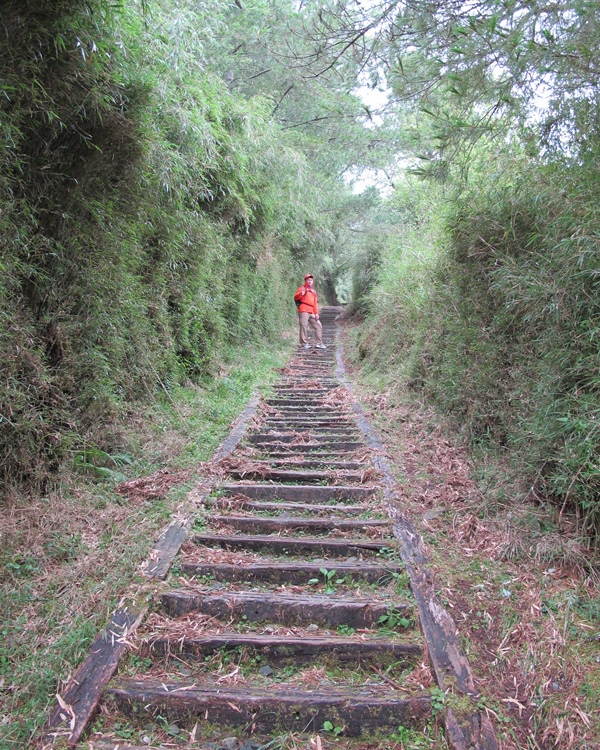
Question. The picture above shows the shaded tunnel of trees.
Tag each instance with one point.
(169, 168)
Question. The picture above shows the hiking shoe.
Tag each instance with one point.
(307, 346)
(320, 346)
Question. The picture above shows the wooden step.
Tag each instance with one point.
(276, 649)
(329, 426)
(300, 493)
(298, 573)
(292, 465)
(266, 525)
(360, 711)
(266, 442)
(302, 428)
(320, 456)
(297, 390)
(293, 545)
(298, 609)
(297, 385)
(309, 405)
(280, 475)
(304, 406)
(348, 510)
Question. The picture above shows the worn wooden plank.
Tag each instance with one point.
(300, 391)
(306, 477)
(264, 524)
(293, 545)
(290, 572)
(267, 710)
(168, 545)
(299, 427)
(81, 696)
(335, 448)
(305, 403)
(318, 456)
(240, 427)
(342, 509)
(323, 463)
(301, 493)
(276, 649)
(298, 609)
(301, 416)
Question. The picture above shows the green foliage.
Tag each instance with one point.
(329, 579)
(493, 313)
(151, 219)
(393, 619)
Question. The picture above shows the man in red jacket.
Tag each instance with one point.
(308, 312)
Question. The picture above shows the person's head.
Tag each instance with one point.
(308, 279)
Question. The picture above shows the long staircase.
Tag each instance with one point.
(287, 619)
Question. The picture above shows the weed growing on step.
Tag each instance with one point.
(394, 620)
(330, 580)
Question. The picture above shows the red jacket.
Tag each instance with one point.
(308, 300)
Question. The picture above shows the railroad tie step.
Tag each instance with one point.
(331, 427)
(303, 428)
(360, 711)
(294, 545)
(319, 456)
(281, 507)
(278, 650)
(308, 421)
(298, 493)
(303, 406)
(306, 477)
(291, 464)
(267, 442)
(296, 573)
(278, 525)
(293, 610)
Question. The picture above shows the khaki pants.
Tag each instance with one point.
(305, 319)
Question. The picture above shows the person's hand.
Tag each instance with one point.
(316, 317)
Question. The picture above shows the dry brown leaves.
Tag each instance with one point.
(339, 397)
(192, 553)
(177, 629)
(155, 485)
(517, 646)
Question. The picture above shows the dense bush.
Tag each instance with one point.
(150, 219)
(495, 315)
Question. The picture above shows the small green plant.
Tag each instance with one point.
(344, 629)
(401, 580)
(22, 566)
(101, 465)
(175, 569)
(140, 662)
(331, 729)
(408, 738)
(124, 730)
(393, 619)
(329, 579)
(438, 700)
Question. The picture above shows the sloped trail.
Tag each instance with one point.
(288, 607)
